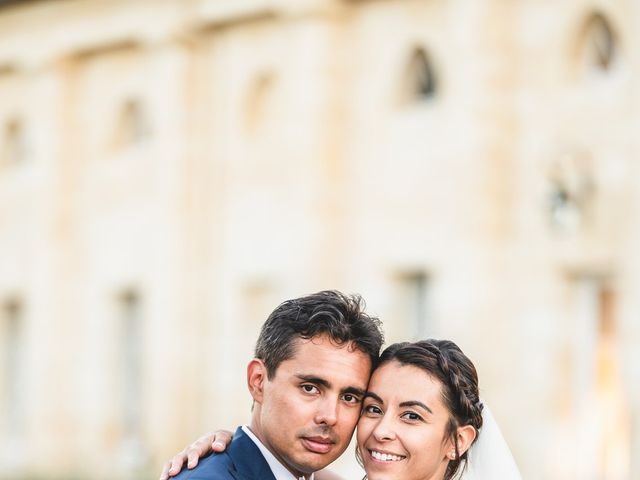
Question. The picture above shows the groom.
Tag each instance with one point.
(312, 364)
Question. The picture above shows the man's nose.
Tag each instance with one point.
(327, 413)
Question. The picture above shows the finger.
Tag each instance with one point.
(165, 471)
(193, 455)
(195, 451)
(218, 446)
(176, 464)
(221, 439)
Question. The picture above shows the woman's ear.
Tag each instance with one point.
(256, 377)
(465, 436)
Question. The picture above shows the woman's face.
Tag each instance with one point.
(401, 433)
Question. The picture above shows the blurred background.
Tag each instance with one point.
(171, 170)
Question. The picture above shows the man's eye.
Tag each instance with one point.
(310, 389)
(350, 398)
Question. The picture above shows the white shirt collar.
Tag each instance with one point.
(279, 471)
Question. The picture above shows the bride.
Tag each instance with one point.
(422, 419)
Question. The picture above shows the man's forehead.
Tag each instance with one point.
(326, 344)
(322, 357)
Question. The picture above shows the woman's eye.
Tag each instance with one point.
(411, 416)
(310, 389)
(372, 409)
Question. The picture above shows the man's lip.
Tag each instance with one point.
(318, 444)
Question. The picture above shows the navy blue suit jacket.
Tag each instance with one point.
(242, 460)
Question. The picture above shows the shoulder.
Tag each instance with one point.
(241, 460)
(213, 467)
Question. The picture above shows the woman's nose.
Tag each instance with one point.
(384, 430)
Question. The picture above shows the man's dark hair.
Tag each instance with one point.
(341, 317)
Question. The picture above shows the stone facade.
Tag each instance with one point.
(172, 169)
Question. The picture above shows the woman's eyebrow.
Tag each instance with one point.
(374, 396)
(416, 403)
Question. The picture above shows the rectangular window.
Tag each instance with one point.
(635, 443)
(603, 432)
(412, 303)
(130, 362)
(13, 352)
(131, 126)
(257, 302)
(14, 148)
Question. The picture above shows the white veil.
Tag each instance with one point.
(490, 457)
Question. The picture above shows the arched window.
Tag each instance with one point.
(419, 82)
(132, 124)
(571, 188)
(598, 44)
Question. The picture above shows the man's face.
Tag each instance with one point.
(305, 415)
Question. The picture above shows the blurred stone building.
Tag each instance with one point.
(170, 170)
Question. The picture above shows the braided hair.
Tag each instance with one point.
(444, 360)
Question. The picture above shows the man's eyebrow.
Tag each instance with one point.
(374, 396)
(354, 391)
(416, 403)
(314, 379)
(325, 383)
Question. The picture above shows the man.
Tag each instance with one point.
(312, 364)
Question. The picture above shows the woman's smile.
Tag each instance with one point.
(402, 429)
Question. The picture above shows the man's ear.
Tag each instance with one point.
(256, 378)
(466, 435)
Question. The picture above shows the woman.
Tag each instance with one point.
(420, 416)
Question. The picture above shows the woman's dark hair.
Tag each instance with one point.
(332, 313)
(444, 360)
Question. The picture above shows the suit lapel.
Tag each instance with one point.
(248, 462)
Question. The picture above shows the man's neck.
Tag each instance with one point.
(254, 427)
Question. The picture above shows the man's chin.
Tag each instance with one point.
(310, 462)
